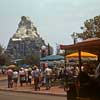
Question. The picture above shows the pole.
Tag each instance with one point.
(65, 57)
(48, 49)
(80, 61)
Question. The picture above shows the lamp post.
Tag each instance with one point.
(48, 49)
(43, 51)
(74, 36)
(65, 57)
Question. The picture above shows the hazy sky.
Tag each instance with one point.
(55, 20)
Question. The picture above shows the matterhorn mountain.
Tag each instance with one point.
(26, 29)
(26, 41)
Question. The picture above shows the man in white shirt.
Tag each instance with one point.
(15, 77)
(48, 73)
(36, 75)
(22, 76)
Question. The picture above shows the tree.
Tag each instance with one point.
(31, 60)
(1, 49)
(91, 29)
(4, 59)
(74, 36)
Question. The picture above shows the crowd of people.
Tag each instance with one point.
(30, 76)
(76, 82)
(36, 76)
(84, 84)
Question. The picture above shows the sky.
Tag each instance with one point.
(55, 20)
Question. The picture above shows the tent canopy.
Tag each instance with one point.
(52, 58)
(24, 65)
(83, 54)
(12, 66)
(92, 44)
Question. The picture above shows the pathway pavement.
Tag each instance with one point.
(3, 77)
(55, 90)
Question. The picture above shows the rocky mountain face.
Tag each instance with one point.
(26, 29)
(26, 40)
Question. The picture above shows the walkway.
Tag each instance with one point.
(55, 90)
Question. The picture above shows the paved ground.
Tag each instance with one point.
(3, 77)
(56, 90)
(23, 96)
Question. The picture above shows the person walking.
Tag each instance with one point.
(10, 78)
(48, 73)
(36, 75)
(84, 80)
(29, 76)
(95, 85)
(22, 76)
(26, 75)
(69, 85)
(15, 77)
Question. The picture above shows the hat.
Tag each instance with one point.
(21, 68)
(35, 67)
(29, 69)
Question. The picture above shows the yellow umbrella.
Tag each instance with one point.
(83, 54)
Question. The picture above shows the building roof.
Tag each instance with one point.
(52, 58)
(90, 44)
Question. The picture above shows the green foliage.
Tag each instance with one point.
(4, 59)
(91, 29)
(1, 49)
(30, 60)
